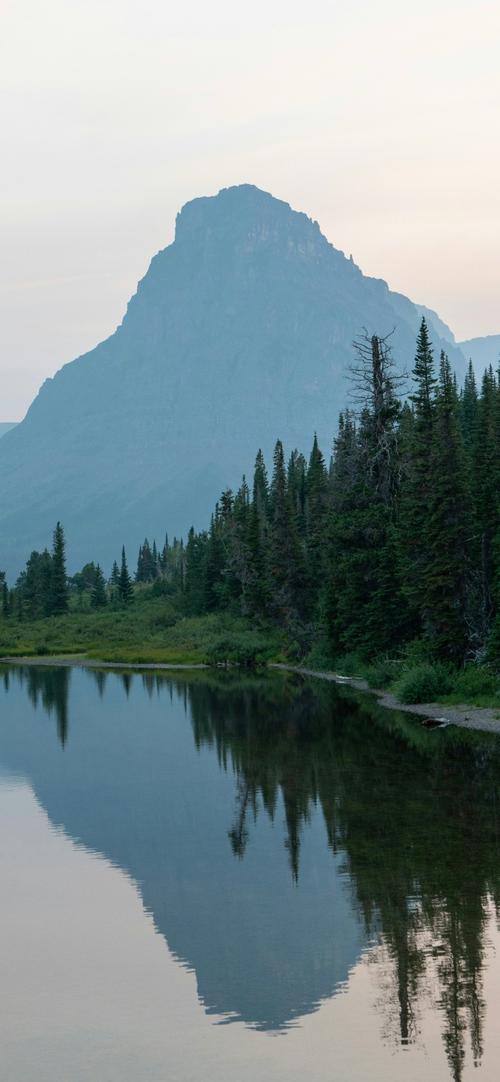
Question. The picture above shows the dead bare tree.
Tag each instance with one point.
(375, 383)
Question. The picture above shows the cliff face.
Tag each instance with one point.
(240, 332)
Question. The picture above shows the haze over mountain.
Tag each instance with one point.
(483, 352)
(240, 332)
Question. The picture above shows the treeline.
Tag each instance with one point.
(44, 588)
(395, 539)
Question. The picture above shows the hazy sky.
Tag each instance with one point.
(379, 118)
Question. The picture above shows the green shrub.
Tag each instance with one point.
(382, 672)
(417, 652)
(318, 659)
(350, 665)
(164, 620)
(424, 683)
(475, 681)
(244, 650)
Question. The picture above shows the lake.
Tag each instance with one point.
(223, 878)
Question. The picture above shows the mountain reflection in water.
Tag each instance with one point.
(276, 827)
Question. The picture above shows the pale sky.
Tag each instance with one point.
(376, 117)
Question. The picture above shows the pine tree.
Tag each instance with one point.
(59, 583)
(286, 568)
(469, 410)
(444, 599)
(125, 588)
(316, 511)
(258, 531)
(297, 490)
(416, 479)
(98, 598)
(139, 574)
(362, 604)
(4, 596)
(486, 486)
(213, 562)
(240, 562)
(114, 578)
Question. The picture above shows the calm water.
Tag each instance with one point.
(242, 880)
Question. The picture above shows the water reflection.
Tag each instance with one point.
(48, 685)
(300, 825)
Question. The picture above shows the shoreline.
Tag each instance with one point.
(79, 661)
(481, 718)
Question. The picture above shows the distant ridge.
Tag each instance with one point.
(241, 331)
(482, 352)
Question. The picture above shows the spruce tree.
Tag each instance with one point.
(139, 574)
(416, 479)
(444, 595)
(4, 595)
(362, 604)
(240, 555)
(258, 532)
(59, 584)
(195, 583)
(486, 486)
(125, 588)
(316, 510)
(469, 410)
(212, 563)
(286, 565)
(98, 598)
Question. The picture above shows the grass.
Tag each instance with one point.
(149, 630)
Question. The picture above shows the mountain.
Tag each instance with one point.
(483, 352)
(241, 331)
(5, 426)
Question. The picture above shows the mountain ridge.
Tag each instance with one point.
(482, 351)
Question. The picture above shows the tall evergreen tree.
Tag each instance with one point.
(416, 480)
(286, 568)
(98, 598)
(486, 481)
(444, 599)
(59, 581)
(316, 511)
(4, 595)
(362, 603)
(125, 588)
(258, 533)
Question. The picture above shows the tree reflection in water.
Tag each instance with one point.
(413, 812)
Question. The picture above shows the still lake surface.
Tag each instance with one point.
(226, 879)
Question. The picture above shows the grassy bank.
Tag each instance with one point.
(147, 630)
